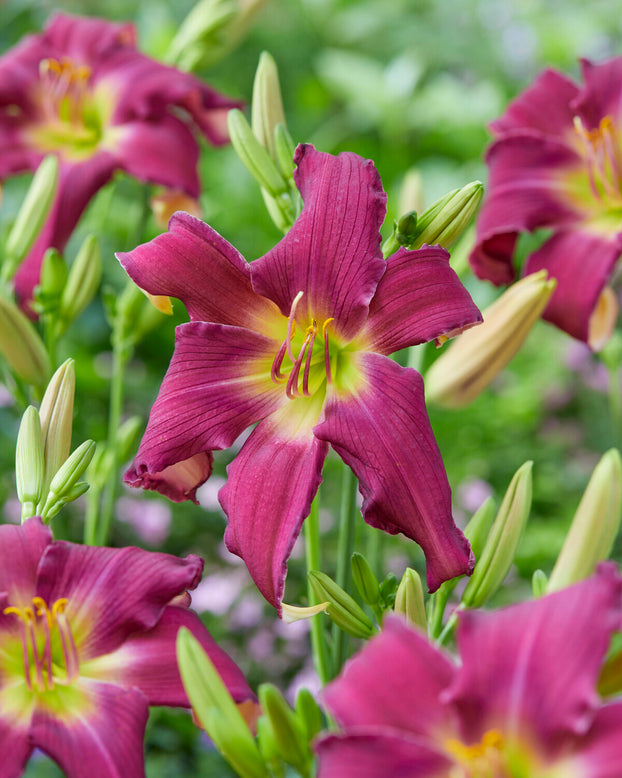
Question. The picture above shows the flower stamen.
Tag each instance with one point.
(290, 326)
(601, 157)
(311, 333)
(329, 378)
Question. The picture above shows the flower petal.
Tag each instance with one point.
(15, 748)
(544, 106)
(146, 661)
(217, 385)
(332, 253)
(100, 736)
(112, 592)
(582, 263)
(418, 298)
(21, 549)
(532, 668)
(268, 494)
(363, 696)
(179, 481)
(526, 191)
(599, 753)
(87, 39)
(379, 753)
(162, 151)
(383, 433)
(77, 184)
(600, 96)
(194, 263)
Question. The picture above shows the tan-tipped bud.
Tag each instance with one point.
(409, 599)
(21, 345)
(500, 549)
(267, 105)
(594, 527)
(603, 319)
(445, 221)
(477, 356)
(32, 214)
(29, 462)
(56, 414)
(82, 282)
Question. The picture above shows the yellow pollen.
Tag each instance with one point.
(325, 325)
(479, 756)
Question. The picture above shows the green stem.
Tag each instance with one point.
(312, 554)
(449, 627)
(93, 499)
(615, 400)
(345, 546)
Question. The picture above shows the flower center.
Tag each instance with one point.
(603, 158)
(485, 759)
(71, 117)
(307, 353)
(49, 651)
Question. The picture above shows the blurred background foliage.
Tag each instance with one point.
(409, 84)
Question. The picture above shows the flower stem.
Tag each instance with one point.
(312, 554)
(345, 546)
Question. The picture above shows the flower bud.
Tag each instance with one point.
(267, 105)
(411, 192)
(253, 155)
(500, 548)
(32, 215)
(476, 356)
(445, 221)
(215, 708)
(21, 345)
(343, 610)
(53, 279)
(62, 486)
(594, 527)
(539, 583)
(82, 282)
(409, 599)
(284, 148)
(29, 462)
(56, 414)
(309, 713)
(365, 580)
(289, 734)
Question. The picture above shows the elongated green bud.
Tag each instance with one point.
(445, 221)
(53, 279)
(82, 282)
(215, 708)
(267, 104)
(21, 345)
(32, 215)
(478, 355)
(498, 554)
(284, 148)
(409, 599)
(56, 414)
(594, 527)
(289, 734)
(309, 713)
(29, 462)
(62, 488)
(365, 580)
(343, 610)
(539, 583)
(478, 528)
(253, 155)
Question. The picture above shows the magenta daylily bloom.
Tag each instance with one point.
(520, 704)
(87, 643)
(556, 163)
(81, 90)
(298, 340)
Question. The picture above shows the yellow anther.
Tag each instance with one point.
(325, 325)
(477, 754)
(16, 611)
(59, 606)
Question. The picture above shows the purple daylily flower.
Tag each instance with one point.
(521, 703)
(556, 163)
(87, 639)
(298, 340)
(81, 90)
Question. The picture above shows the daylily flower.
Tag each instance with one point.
(87, 643)
(298, 340)
(556, 164)
(521, 703)
(81, 90)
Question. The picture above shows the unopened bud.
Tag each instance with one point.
(289, 735)
(82, 282)
(253, 155)
(411, 192)
(29, 462)
(365, 580)
(539, 583)
(127, 437)
(309, 713)
(445, 221)
(603, 320)
(267, 104)
(32, 215)
(476, 356)
(594, 527)
(284, 148)
(343, 610)
(53, 279)
(56, 414)
(21, 345)
(409, 599)
(62, 486)
(500, 548)
(215, 708)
